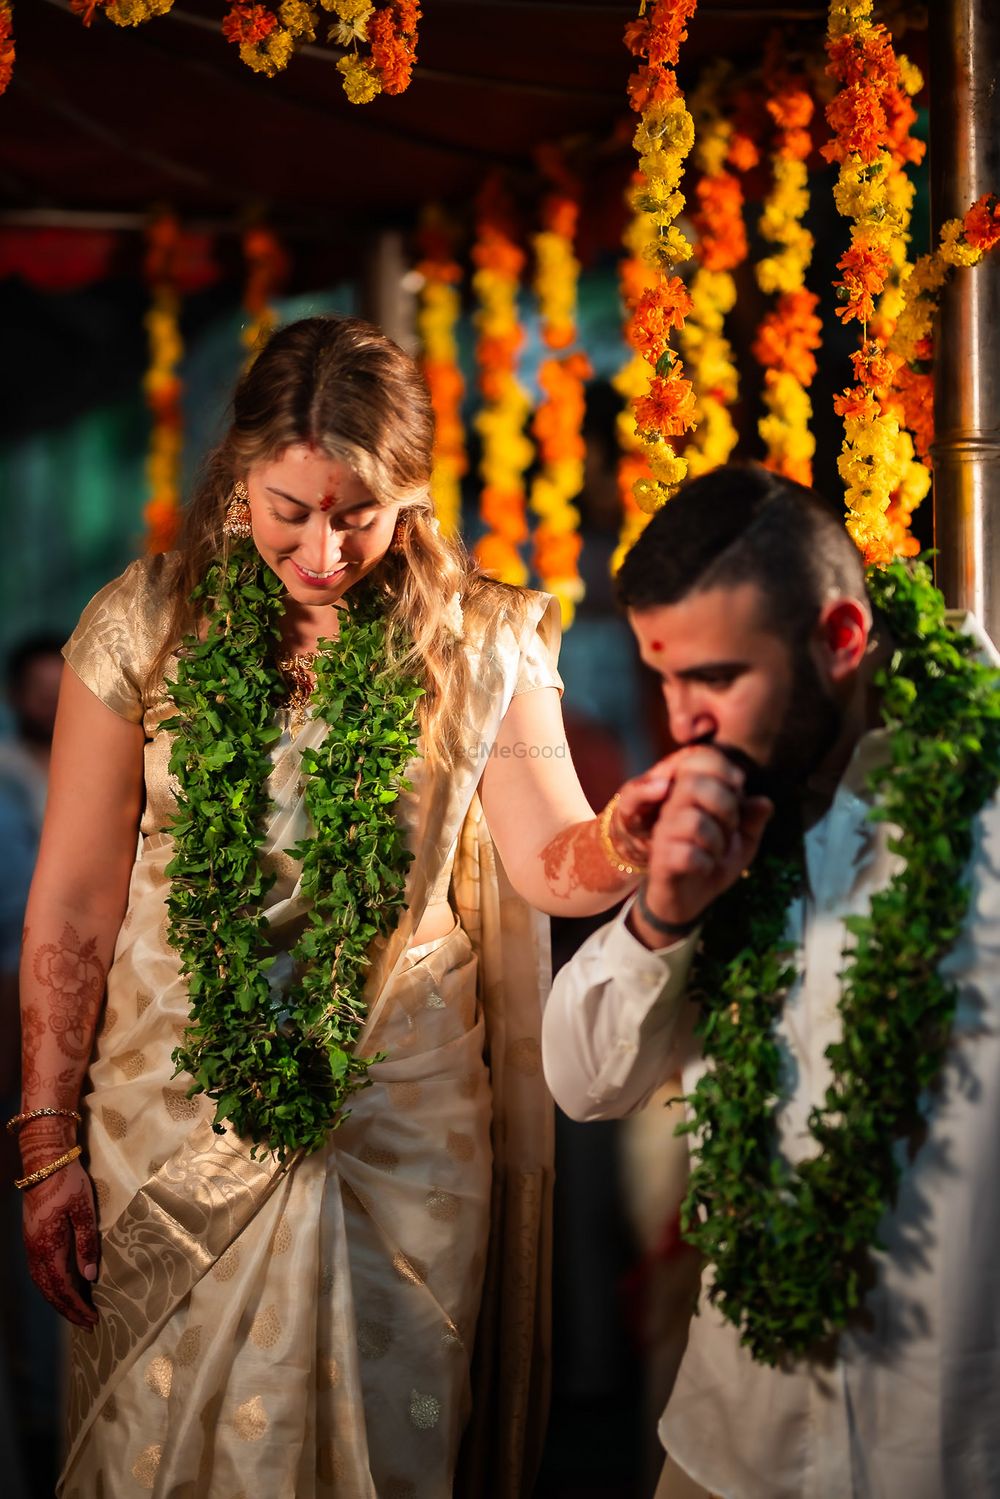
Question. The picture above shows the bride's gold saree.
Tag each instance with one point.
(333, 1325)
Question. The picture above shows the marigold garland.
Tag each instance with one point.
(720, 247)
(962, 242)
(506, 451)
(6, 43)
(790, 331)
(267, 33)
(438, 312)
(871, 116)
(663, 402)
(162, 384)
(558, 422)
(267, 268)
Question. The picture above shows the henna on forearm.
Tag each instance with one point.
(62, 989)
(575, 860)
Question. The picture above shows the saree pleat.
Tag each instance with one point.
(308, 1329)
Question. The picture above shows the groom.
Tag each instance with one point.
(748, 600)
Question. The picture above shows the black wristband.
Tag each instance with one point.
(673, 929)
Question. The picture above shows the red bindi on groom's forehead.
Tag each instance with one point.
(656, 645)
(328, 501)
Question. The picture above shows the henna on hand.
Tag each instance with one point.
(61, 1240)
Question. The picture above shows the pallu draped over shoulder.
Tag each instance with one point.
(347, 1322)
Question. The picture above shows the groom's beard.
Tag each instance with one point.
(812, 726)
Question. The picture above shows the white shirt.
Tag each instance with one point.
(910, 1408)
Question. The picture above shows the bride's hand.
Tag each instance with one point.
(638, 807)
(61, 1238)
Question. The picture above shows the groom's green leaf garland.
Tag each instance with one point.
(788, 1244)
(280, 1065)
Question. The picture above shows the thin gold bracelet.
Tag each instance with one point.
(19, 1119)
(613, 855)
(35, 1177)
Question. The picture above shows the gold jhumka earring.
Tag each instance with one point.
(237, 522)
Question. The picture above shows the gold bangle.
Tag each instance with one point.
(613, 855)
(19, 1119)
(43, 1171)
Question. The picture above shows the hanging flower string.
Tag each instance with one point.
(720, 247)
(962, 242)
(380, 41)
(870, 116)
(558, 423)
(162, 383)
(267, 269)
(506, 451)
(790, 332)
(635, 276)
(663, 139)
(6, 44)
(438, 312)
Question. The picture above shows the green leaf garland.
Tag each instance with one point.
(789, 1244)
(281, 1065)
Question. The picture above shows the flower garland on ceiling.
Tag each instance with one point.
(558, 422)
(506, 451)
(162, 384)
(267, 268)
(870, 116)
(665, 135)
(267, 35)
(962, 242)
(6, 44)
(790, 332)
(438, 311)
(720, 247)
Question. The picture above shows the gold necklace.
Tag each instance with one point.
(297, 670)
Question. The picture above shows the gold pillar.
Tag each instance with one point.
(965, 163)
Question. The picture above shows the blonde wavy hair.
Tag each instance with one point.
(338, 384)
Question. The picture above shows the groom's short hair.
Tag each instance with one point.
(743, 524)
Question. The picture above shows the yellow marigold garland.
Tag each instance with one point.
(438, 312)
(961, 242)
(870, 116)
(162, 384)
(506, 451)
(662, 397)
(720, 247)
(558, 422)
(267, 267)
(790, 331)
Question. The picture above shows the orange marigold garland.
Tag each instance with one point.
(790, 331)
(871, 115)
(6, 44)
(162, 383)
(506, 451)
(720, 247)
(267, 268)
(438, 312)
(558, 423)
(665, 135)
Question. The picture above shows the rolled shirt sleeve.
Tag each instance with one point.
(615, 1022)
